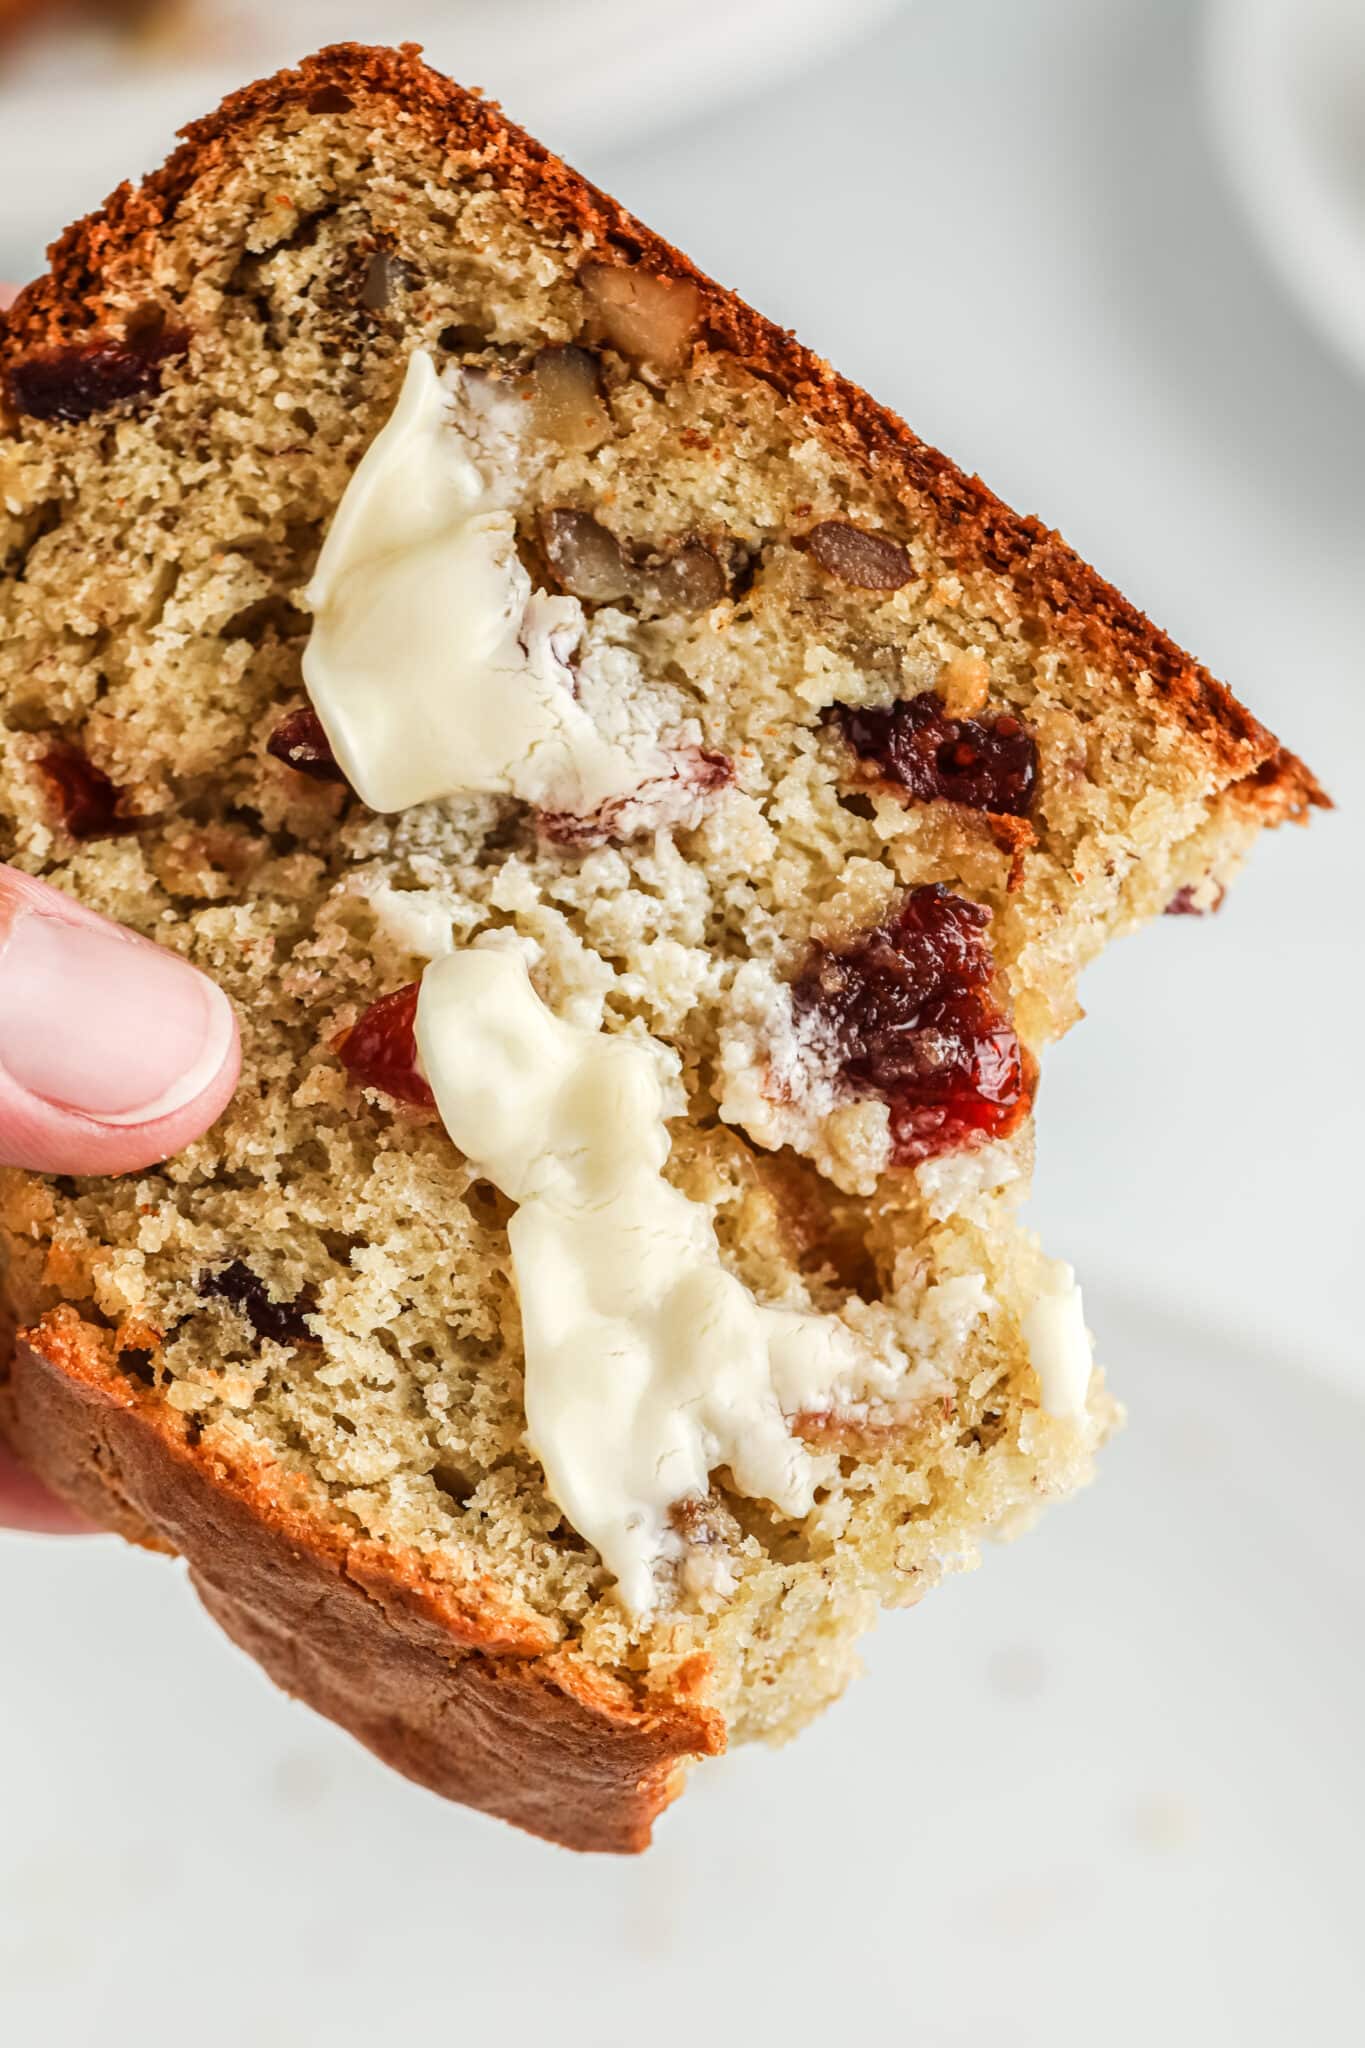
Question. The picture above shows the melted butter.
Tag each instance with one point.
(432, 665)
(436, 669)
(647, 1363)
(1058, 1342)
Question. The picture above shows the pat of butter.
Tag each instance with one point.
(432, 665)
(647, 1363)
(1058, 1342)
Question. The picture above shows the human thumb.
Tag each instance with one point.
(113, 1052)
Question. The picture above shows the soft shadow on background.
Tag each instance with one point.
(1112, 1784)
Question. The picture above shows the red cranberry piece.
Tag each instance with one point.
(75, 383)
(380, 1051)
(300, 742)
(86, 800)
(907, 1013)
(990, 764)
(284, 1322)
(1182, 904)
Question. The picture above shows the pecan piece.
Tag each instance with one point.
(869, 561)
(689, 580)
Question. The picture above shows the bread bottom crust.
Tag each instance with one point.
(440, 1681)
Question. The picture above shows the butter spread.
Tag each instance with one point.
(1057, 1340)
(647, 1363)
(432, 664)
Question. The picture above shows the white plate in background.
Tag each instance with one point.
(1286, 84)
(79, 113)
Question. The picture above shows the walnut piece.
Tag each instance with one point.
(590, 562)
(649, 320)
(587, 561)
(567, 388)
(688, 580)
(869, 561)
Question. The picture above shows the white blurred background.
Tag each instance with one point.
(1112, 254)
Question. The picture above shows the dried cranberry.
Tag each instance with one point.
(1182, 904)
(74, 383)
(283, 1322)
(906, 1012)
(87, 801)
(990, 764)
(380, 1051)
(300, 742)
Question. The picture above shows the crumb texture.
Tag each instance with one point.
(864, 711)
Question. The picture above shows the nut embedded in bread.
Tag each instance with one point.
(841, 773)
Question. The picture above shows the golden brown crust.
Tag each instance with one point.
(442, 1680)
(974, 530)
(1281, 791)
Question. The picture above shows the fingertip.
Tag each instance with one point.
(114, 1053)
(25, 1503)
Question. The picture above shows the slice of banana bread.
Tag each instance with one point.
(649, 850)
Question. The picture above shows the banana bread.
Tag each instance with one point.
(837, 774)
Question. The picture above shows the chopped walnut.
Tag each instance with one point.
(587, 560)
(566, 386)
(869, 561)
(590, 562)
(649, 320)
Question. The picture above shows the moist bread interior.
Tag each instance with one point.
(155, 557)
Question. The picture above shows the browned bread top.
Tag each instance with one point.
(84, 295)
